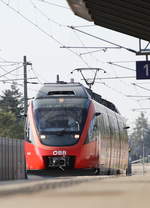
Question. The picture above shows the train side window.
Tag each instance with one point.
(106, 130)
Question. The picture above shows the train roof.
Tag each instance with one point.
(62, 89)
(72, 90)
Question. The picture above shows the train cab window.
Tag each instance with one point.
(28, 132)
(92, 130)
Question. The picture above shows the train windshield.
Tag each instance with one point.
(60, 121)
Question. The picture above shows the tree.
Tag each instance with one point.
(140, 134)
(11, 113)
(12, 101)
(10, 126)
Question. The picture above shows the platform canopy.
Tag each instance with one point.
(131, 17)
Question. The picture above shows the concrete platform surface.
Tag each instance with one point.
(118, 192)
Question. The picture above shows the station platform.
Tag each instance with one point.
(115, 192)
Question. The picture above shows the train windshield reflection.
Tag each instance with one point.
(60, 122)
(59, 119)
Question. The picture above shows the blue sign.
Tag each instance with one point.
(143, 70)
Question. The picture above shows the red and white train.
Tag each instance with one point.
(69, 126)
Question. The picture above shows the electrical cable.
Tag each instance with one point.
(20, 79)
(128, 49)
(36, 75)
(147, 45)
(78, 26)
(54, 37)
(10, 71)
(96, 51)
(137, 85)
(44, 15)
(42, 30)
(120, 66)
(53, 4)
(114, 89)
(137, 92)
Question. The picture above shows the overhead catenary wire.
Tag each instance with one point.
(57, 5)
(140, 96)
(78, 54)
(35, 73)
(31, 22)
(44, 15)
(104, 49)
(9, 72)
(42, 30)
(123, 47)
(83, 46)
(78, 26)
(120, 92)
(120, 79)
(119, 62)
(53, 4)
(82, 43)
(1, 67)
(140, 109)
(112, 63)
(138, 93)
(90, 47)
(125, 77)
(89, 52)
(113, 89)
(147, 45)
(21, 85)
(116, 46)
(7, 64)
(21, 79)
(137, 85)
(10, 62)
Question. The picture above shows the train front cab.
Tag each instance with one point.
(47, 150)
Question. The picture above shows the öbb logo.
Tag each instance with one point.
(60, 152)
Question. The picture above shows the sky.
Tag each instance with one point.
(40, 29)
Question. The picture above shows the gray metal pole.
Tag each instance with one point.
(25, 85)
(143, 163)
(140, 45)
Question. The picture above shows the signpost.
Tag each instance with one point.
(143, 70)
